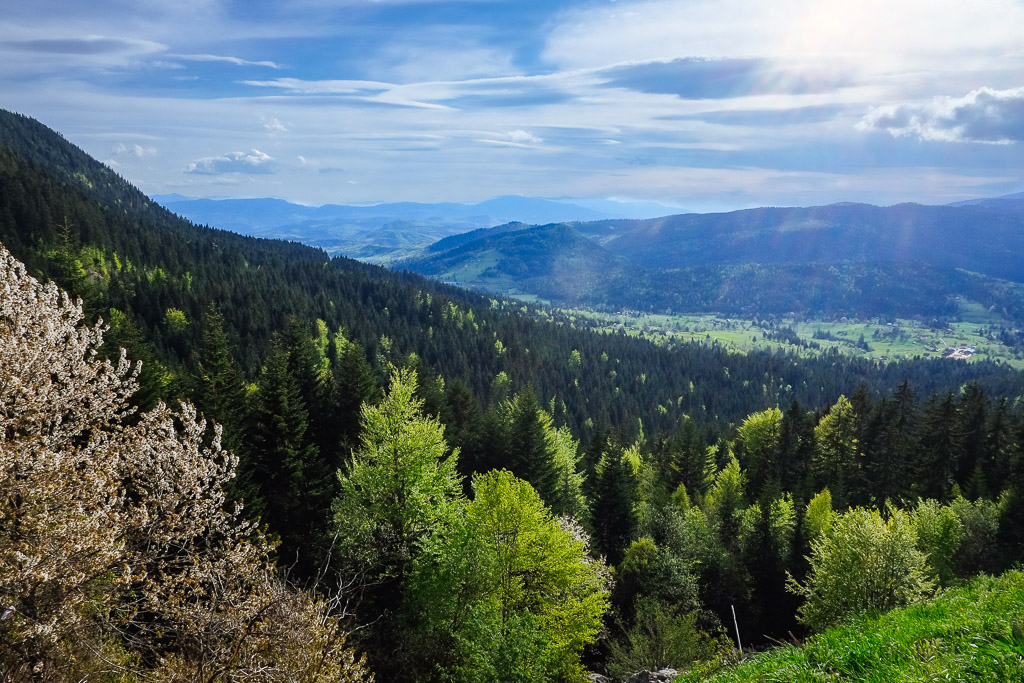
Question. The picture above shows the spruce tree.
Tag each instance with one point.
(613, 513)
(219, 385)
(531, 454)
(285, 482)
(941, 448)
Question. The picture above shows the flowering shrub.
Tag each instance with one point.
(117, 551)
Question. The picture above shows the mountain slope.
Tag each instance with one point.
(845, 259)
(1010, 204)
(549, 260)
(954, 237)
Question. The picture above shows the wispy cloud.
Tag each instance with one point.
(983, 116)
(300, 86)
(701, 78)
(253, 161)
(84, 45)
(518, 138)
(371, 92)
(228, 60)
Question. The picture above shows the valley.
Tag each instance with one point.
(974, 339)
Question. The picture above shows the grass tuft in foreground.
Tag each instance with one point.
(974, 633)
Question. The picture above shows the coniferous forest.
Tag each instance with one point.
(459, 488)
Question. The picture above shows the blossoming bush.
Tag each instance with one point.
(118, 553)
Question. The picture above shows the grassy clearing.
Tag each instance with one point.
(975, 633)
(890, 339)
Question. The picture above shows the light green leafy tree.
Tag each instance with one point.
(662, 636)
(866, 562)
(939, 533)
(724, 503)
(819, 516)
(567, 490)
(400, 487)
(512, 591)
(759, 438)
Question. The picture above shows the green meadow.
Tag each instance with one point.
(888, 339)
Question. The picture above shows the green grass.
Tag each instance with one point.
(900, 340)
(975, 633)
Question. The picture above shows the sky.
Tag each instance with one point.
(705, 104)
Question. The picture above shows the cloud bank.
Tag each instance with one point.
(982, 116)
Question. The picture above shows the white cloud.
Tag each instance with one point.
(136, 150)
(523, 136)
(440, 60)
(984, 115)
(371, 92)
(272, 124)
(253, 161)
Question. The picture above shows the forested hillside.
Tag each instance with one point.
(463, 473)
(852, 260)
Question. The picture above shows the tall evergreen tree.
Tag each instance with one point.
(1000, 447)
(529, 447)
(890, 461)
(796, 449)
(219, 384)
(759, 439)
(311, 369)
(972, 421)
(285, 482)
(355, 383)
(941, 448)
(613, 512)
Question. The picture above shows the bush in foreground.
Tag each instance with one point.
(120, 560)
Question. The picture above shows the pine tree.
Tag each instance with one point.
(890, 462)
(972, 414)
(613, 513)
(530, 450)
(759, 440)
(219, 385)
(941, 447)
(285, 482)
(999, 447)
(355, 383)
(310, 368)
(796, 449)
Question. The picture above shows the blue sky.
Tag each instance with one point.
(705, 104)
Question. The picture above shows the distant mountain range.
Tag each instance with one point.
(840, 259)
(385, 232)
(1012, 204)
(848, 259)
